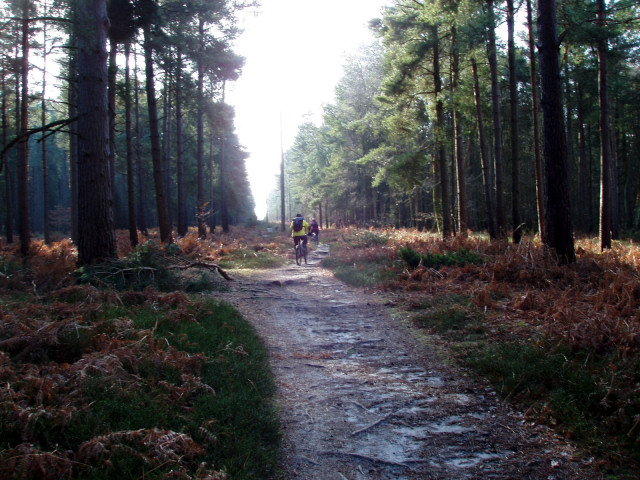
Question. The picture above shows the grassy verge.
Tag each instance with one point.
(114, 371)
(558, 341)
(133, 385)
(573, 391)
(360, 258)
(248, 258)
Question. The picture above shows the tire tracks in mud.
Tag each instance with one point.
(363, 396)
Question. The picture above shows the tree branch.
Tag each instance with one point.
(210, 266)
(48, 127)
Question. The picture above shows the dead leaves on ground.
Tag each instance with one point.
(51, 355)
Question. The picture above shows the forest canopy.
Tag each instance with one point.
(454, 121)
(114, 117)
(506, 117)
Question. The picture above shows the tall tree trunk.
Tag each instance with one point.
(559, 235)
(131, 188)
(72, 100)
(182, 210)
(501, 220)
(584, 194)
(282, 183)
(605, 138)
(164, 223)
(43, 117)
(615, 191)
(202, 228)
(142, 191)
(112, 73)
(536, 127)
(457, 127)
(23, 144)
(326, 212)
(568, 87)
(166, 142)
(212, 211)
(224, 214)
(486, 176)
(514, 134)
(447, 229)
(96, 236)
(7, 170)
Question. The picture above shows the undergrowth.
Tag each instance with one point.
(437, 260)
(257, 257)
(134, 385)
(563, 342)
(124, 375)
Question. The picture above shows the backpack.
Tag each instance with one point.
(297, 224)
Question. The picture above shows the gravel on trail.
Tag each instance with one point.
(364, 395)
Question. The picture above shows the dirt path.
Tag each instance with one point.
(363, 396)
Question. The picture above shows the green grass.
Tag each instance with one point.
(567, 389)
(363, 273)
(246, 258)
(452, 322)
(551, 380)
(242, 434)
(238, 371)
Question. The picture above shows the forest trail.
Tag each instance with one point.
(362, 395)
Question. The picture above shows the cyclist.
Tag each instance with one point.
(314, 228)
(299, 229)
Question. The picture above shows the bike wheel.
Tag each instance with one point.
(304, 254)
(298, 255)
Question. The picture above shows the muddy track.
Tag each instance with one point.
(362, 395)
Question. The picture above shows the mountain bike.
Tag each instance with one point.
(301, 252)
(314, 238)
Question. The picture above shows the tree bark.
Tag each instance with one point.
(584, 194)
(457, 127)
(142, 191)
(7, 170)
(164, 223)
(182, 213)
(483, 153)
(605, 137)
(501, 221)
(212, 212)
(96, 236)
(441, 158)
(23, 144)
(282, 182)
(131, 188)
(514, 134)
(559, 235)
(72, 100)
(43, 118)
(167, 142)
(112, 71)
(224, 214)
(202, 228)
(536, 127)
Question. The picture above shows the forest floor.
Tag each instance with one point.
(363, 394)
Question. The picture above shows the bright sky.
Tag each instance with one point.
(295, 51)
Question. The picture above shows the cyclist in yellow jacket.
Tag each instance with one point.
(299, 229)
